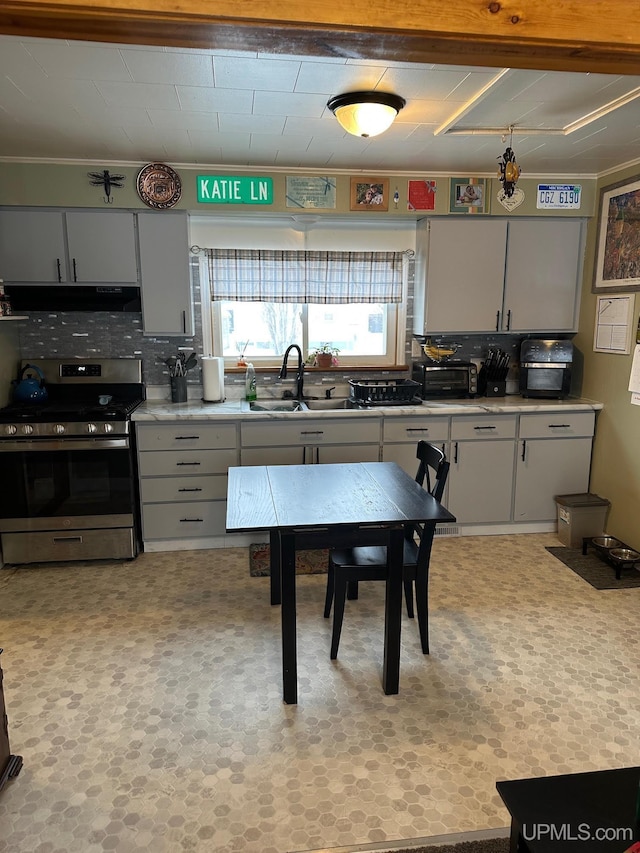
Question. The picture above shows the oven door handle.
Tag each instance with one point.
(42, 444)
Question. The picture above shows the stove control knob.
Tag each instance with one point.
(27, 429)
(92, 428)
(108, 427)
(58, 429)
(11, 429)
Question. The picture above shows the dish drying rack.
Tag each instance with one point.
(384, 392)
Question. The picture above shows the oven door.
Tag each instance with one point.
(68, 483)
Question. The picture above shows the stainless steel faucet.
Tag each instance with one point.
(299, 391)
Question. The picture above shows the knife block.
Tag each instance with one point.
(496, 389)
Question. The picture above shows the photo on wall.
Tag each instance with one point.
(468, 195)
(369, 194)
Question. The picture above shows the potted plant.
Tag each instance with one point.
(324, 356)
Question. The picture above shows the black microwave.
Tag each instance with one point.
(457, 379)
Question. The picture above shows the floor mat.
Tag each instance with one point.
(595, 571)
(307, 562)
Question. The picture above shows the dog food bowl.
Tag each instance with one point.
(606, 542)
(624, 555)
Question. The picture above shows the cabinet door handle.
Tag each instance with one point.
(187, 463)
(455, 452)
(187, 437)
(484, 427)
(68, 539)
(59, 269)
(184, 322)
(190, 490)
(508, 320)
(187, 520)
(524, 450)
(558, 426)
(75, 272)
(497, 321)
(317, 455)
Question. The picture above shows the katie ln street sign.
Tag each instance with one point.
(228, 189)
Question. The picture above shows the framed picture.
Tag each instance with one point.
(617, 266)
(421, 195)
(468, 195)
(369, 194)
(614, 323)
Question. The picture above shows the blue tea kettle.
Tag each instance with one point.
(28, 389)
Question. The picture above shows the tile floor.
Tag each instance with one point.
(145, 699)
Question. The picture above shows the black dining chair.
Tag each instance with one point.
(349, 566)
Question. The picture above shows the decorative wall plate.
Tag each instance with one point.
(159, 186)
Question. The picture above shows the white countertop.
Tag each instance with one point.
(164, 410)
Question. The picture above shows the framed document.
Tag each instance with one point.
(311, 193)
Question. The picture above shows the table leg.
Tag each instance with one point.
(288, 615)
(274, 568)
(393, 613)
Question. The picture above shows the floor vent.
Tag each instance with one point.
(447, 530)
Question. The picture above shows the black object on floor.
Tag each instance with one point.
(595, 571)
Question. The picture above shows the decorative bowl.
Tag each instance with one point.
(438, 353)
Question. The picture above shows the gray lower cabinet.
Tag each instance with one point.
(310, 441)
(481, 454)
(401, 436)
(183, 478)
(554, 458)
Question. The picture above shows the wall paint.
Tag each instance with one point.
(615, 472)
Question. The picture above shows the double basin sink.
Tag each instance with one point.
(320, 405)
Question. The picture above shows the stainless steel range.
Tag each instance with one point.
(67, 464)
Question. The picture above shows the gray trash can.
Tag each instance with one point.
(580, 516)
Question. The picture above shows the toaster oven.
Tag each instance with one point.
(456, 379)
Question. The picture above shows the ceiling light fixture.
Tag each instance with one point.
(366, 113)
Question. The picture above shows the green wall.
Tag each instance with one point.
(57, 185)
(615, 472)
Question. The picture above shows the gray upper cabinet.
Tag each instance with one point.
(32, 246)
(544, 261)
(497, 275)
(102, 247)
(164, 273)
(74, 247)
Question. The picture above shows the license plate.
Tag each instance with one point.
(558, 196)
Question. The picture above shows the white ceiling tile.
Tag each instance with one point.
(271, 103)
(233, 122)
(330, 80)
(275, 75)
(141, 95)
(165, 120)
(60, 60)
(215, 100)
(182, 69)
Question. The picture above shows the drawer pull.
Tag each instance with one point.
(197, 489)
(484, 427)
(187, 463)
(191, 520)
(558, 426)
(68, 539)
(312, 432)
(187, 437)
(417, 429)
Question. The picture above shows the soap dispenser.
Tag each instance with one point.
(250, 391)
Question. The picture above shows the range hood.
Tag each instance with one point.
(29, 297)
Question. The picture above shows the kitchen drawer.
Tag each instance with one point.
(185, 436)
(415, 429)
(311, 432)
(113, 543)
(557, 425)
(172, 489)
(186, 462)
(480, 428)
(183, 520)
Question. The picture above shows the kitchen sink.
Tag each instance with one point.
(276, 406)
(329, 405)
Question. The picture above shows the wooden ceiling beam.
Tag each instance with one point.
(599, 35)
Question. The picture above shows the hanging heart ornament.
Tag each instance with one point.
(511, 202)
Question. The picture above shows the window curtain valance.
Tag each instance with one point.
(266, 275)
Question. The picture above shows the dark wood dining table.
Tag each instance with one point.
(327, 506)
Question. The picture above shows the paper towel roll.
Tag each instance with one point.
(212, 379)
